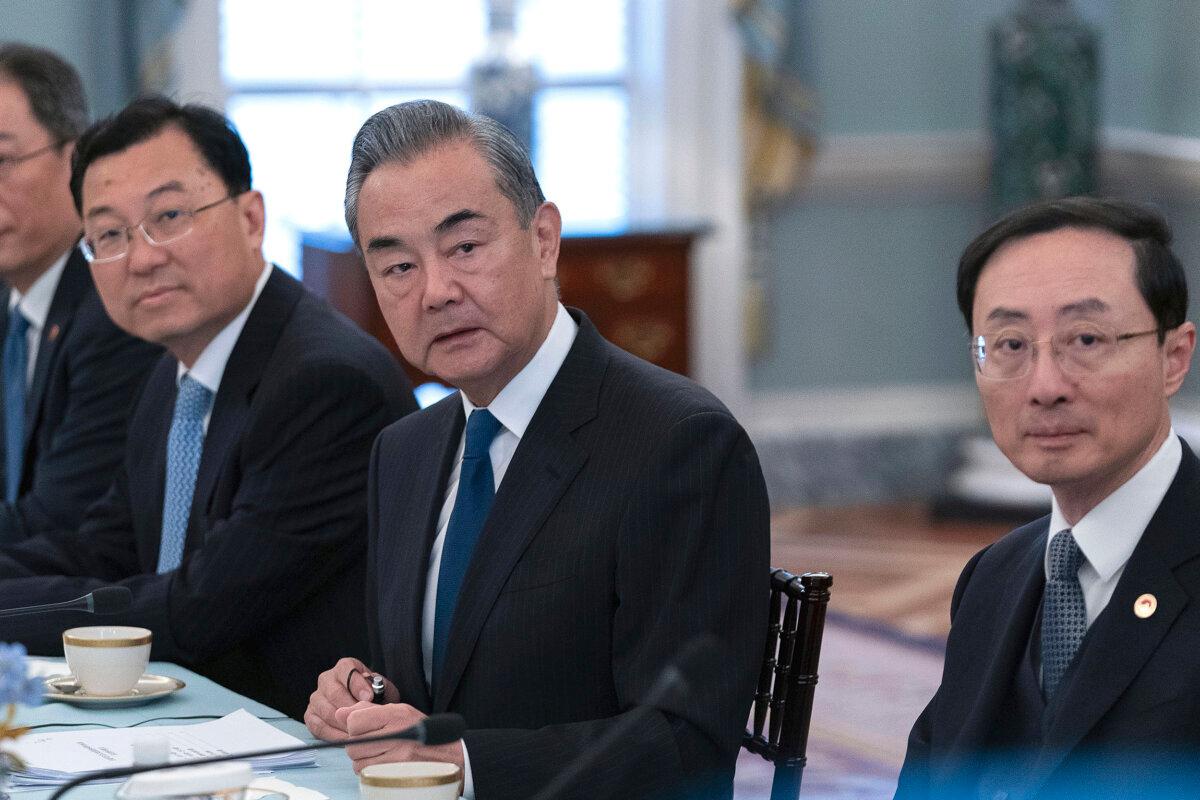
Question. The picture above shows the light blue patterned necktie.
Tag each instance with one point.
(1064, 614)
(16, 362)
(476, 490)
(184, 445)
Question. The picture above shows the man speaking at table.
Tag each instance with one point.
(544, 544)
(238, 516)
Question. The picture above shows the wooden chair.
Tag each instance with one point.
(788, 679)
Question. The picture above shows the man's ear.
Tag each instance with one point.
(546, 227)
(253, 215)
(1177, 356)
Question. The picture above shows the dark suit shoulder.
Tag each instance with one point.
(653, 393)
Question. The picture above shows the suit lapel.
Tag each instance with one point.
(544, 465)
(1024, 585)
(407, 555)
(1119, 643)
(72, 285)
(231, 406)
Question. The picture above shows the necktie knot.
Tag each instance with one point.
(18, 322)
(1065, 556)
(191, 403)
(482, 427)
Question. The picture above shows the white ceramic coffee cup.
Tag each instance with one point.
(410, 780)
(107, 660)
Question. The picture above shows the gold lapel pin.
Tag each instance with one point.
(1145, 606)
(52, 334)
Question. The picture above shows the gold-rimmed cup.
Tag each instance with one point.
(410, 780)
(107, 660)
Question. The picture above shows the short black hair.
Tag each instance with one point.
(52, 87)
(210, 131)
(1158, 272)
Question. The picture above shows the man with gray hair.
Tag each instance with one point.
(70, 375)
(572, 552)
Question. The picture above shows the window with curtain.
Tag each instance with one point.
(299, 102)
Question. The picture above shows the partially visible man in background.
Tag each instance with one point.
(1071, 667)
(70, 375)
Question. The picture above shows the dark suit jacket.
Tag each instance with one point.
(632, 519)
(1129, 724)
(270, 589)
(85, 380)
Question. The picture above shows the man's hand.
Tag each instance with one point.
(340, 687)
(365, 719)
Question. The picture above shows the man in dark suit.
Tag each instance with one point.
(544, 546)
(238, 517)
(69, 374)
(1071, 667)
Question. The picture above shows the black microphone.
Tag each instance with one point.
(434, 730)
(673, 680)
(105, 600)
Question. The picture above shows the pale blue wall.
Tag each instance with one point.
(862, 288)
(91, 34)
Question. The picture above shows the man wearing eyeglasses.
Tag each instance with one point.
(1073, 662)
(69, 374)
(238, 516)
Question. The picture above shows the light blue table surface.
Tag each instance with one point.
(333, 775)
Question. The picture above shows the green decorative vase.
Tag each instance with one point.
(1045, 108)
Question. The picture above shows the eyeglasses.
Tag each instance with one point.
(9, 163)
(1080, 350)
(158, 228)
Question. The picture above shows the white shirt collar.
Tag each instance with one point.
(35, 304)
(519, 399)
(1108, 534)
(210, 366)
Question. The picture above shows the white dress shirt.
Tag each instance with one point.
(1108, 534)
(514, 407)
(210, 366)
(34, 305)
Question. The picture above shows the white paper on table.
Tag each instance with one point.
(59, 756)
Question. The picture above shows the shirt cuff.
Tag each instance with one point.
(468, 781)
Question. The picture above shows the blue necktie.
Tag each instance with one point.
(184, 445)
(1064, 614)
(476, 490)
(16, 360)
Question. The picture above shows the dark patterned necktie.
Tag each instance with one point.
(1064, 615)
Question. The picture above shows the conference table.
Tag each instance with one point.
(201, 698)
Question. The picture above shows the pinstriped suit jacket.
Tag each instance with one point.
(632, 518)
(270, 589)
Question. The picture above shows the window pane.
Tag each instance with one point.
(574, 39)
(582, 154)
(377, 101)
(416, 42)
(300, 151)
(310, 41)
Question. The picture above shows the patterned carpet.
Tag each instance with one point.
(893, 571)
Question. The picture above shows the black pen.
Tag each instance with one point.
(377, 690)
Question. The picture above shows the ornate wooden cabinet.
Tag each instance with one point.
(633, 285)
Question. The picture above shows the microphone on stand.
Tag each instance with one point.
(105, 600)
(434, 730)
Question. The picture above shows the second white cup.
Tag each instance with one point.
(107, 660)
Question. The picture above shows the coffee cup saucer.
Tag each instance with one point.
(66, 689)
